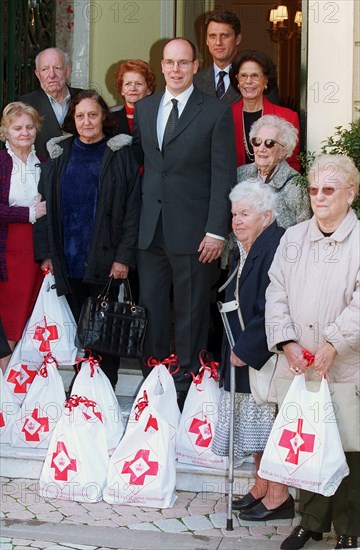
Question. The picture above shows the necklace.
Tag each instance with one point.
(249, 154)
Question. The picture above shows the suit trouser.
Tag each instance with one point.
(80, 291)
(159, 269)
(342, 509)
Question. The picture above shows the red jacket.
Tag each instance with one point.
(269, 109)
(8, 214)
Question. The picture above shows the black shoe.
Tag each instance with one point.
(299, 536)
(346, 541)
(286, 510)
(181, 396)
(246, 502)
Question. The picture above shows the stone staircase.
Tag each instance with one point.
(16, 462)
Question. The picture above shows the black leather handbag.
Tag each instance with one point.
(117, 328)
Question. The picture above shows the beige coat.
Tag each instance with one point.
(314, 296)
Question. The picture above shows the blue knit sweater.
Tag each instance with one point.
(79, 197)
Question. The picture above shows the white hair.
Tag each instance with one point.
(335, 163)
(64, 54)
(288, 133)
(260, 195)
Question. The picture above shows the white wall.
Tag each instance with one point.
(330, 68)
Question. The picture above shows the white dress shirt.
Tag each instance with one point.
(226, 77)
(60, 109)
(165, 108)
(24, 181)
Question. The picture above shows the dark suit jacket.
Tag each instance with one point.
(190, 184)
(205, 81)
(50, 127)
(250, 344)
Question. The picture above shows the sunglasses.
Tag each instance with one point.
(327, 190)
(269, 143)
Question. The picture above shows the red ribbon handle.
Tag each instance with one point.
(48, 360)
(172, 359)
(91, 360)
(309, 357)
(141, 405)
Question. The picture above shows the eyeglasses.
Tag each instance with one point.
(327, 190)
(269, 143)
(242, 77)
(182, 64)
(135, 85)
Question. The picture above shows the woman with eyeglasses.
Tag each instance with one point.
(312, 303)
(273, 140)
(134, 80)
(254, 74)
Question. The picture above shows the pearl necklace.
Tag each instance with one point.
(249, 154)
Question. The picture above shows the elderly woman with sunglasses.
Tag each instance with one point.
(273, 140)
(254, 74)
(312, 303)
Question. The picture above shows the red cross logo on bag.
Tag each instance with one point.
(62, 463)
(45, 334)
(139, 467)
(296, 442)
(21, 378)
(33, 425)
(203, 429)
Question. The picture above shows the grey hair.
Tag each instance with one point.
(64, 54)
(288, 132)
(335, 164)
(260, 195)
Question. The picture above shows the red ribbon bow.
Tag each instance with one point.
(172, 359)
(206, 365)
(48, 360)
(141, 405)
(91, 360)
(76, 400)
(309, 357)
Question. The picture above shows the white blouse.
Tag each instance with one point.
(24, 181)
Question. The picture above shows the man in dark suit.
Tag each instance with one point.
(223, 37)
(53, 69)
(185, 209)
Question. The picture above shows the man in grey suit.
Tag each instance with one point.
(223, 37)
(188, 172)
(53, 69)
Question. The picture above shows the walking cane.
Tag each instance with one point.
(229, 521)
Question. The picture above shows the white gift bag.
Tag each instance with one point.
(9, 408)
(20, 374)
(41, 409)
(93, 382)
(142, 470)
(304, 448)
(76, 464)
(199, 419)
(160, 389)
(51, 327)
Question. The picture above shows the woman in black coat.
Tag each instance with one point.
(258, 236)
(91, 186)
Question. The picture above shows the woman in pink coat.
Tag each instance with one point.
(254, 74)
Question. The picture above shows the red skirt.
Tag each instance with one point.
(19, 292)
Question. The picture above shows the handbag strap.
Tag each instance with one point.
(103, 296)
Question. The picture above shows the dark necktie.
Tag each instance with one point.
(220, 88)
(171, 123)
